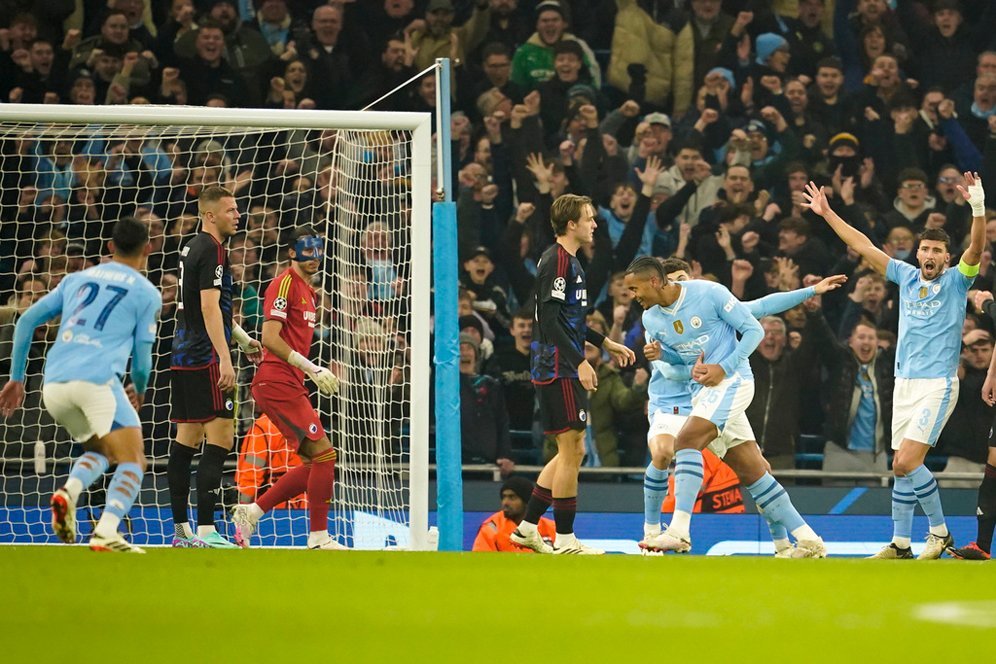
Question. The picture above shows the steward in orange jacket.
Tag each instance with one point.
(494, 533)
(265, 456)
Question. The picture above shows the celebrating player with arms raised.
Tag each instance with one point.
(561, 374)
(202, 377)
(279, 391)
(108, 313)
(932, 311)
(696, 323)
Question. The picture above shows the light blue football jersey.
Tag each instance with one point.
(705, 318)
(106, 310)
(670, 390)
(931, 314)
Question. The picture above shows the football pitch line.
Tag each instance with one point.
(361, 606)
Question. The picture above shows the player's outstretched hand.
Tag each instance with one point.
(974, 194)
(326, 381)
(831, 283)
(11, 397)
(652, 351)
(816, 199)
(587, 376)
(623, 355)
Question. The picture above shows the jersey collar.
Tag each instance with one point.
(673, 309)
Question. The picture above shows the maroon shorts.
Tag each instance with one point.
(290, 410)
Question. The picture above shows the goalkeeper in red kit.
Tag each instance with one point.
(279, 390)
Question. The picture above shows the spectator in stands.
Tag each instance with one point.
(264, 457)
(710, 29)
(510, 26)
(558, 92)
(826, 98)
(510, 364)
(336, 57)
(483, 417)
(493, 535)
(858, 397)
(964, 438)
(246, 50)
(207, 72)
(796, 242)
(274, 22)
(533, 61)
(497, 65)
(480, 278)
(807, 40)
(392, 69)
(913, 201)
(689, 166)
(653, 60)
(779, 373)
(114, 39)
(44, 80)
(944, 52)
(180, 22)
(436, 37)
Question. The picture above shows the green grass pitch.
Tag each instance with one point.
(67, 604)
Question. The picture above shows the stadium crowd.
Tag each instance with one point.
(694, 126)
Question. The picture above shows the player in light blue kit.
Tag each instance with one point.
(932, 304)
(670, 403)
(696, 324)
(109, 312)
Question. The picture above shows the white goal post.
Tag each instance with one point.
(364, 177)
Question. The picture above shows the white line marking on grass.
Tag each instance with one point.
(964, 614)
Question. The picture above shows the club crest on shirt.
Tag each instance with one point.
(936, 288)
(679, 327)
(313, 428)
(695, 322)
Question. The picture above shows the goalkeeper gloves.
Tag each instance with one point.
(977, 198)
(326, 381)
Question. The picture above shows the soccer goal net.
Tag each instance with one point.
(67, 173)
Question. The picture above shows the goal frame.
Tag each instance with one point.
(421, 250)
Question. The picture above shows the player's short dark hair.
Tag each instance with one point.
(937, 235)
(796, 224)
(675, 264)
(130, 236)
(647, 266)
(566, 208)
(212, 194)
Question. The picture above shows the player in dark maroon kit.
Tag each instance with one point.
(279, 391)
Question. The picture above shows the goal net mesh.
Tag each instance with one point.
(62, 186)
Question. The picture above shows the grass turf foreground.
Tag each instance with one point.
(68, 604)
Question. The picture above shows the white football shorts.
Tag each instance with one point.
(921, 407)
(87, 409)
(725, 405)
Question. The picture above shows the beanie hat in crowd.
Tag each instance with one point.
(767, 44)
(518, 485)
(470, 320)
(725, 73)
(472, 342)
(843, 139)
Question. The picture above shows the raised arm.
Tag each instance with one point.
(816, 200)
(776, 303)
(976, 197)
